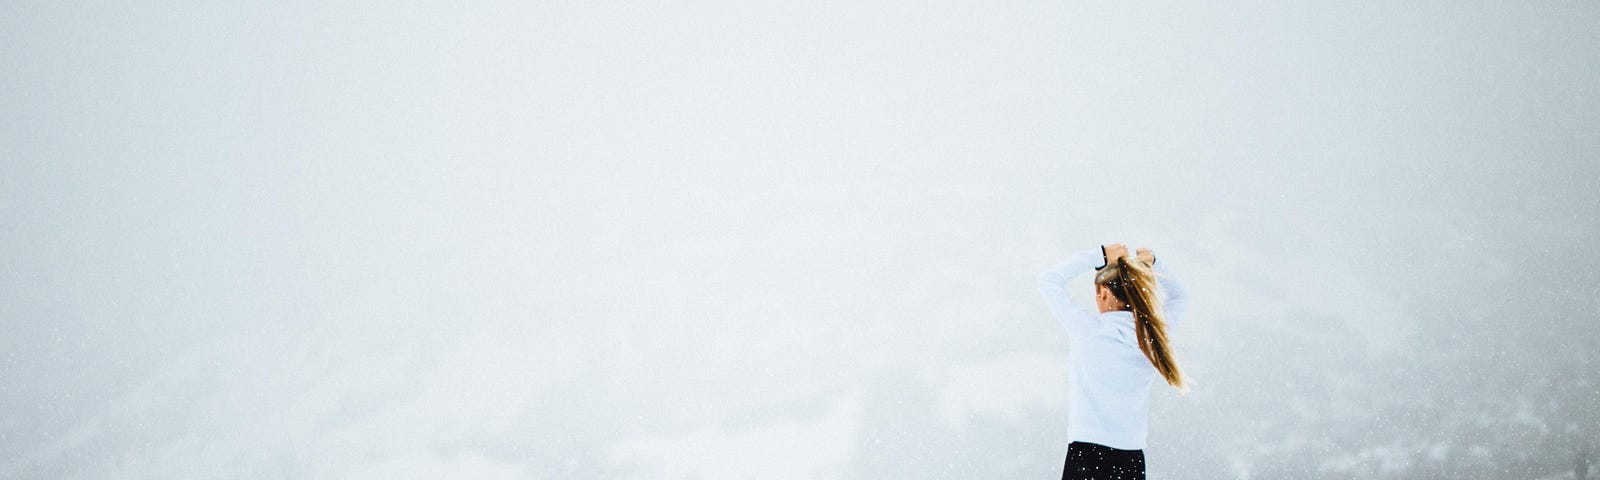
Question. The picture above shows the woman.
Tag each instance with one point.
(1114, 356)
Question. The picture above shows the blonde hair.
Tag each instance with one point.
(1134, 283)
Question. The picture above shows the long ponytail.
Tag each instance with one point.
(1134, 283)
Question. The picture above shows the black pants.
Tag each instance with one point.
(1093, 461)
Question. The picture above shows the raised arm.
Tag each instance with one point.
(1176, 303)
(1074, 318)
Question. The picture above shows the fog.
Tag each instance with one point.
(788, 239)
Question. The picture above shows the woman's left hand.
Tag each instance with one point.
(1115, 251)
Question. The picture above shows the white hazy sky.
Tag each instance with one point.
(783, 239)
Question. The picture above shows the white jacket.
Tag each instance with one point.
(1108, 378)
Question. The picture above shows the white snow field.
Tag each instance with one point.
(573, 240)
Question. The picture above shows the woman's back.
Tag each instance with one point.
(1108, 384)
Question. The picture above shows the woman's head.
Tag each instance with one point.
(1130, 284)
(1108, 294)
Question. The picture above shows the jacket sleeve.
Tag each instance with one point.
(1073, 317)
(1176, 303)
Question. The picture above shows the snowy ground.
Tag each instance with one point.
(780, 240)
